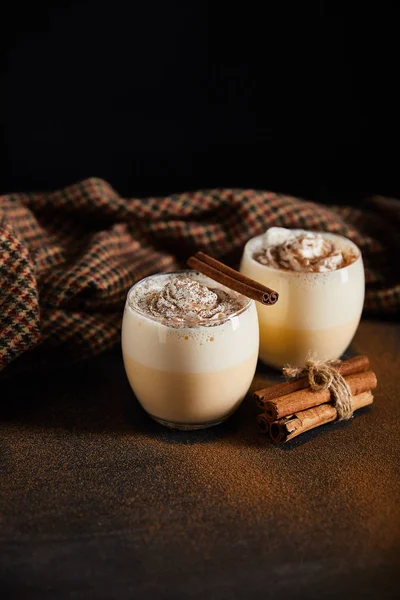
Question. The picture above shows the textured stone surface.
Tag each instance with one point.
(97, 501)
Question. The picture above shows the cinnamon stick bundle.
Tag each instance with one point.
(287, 428)
(289, 404)
(357, 364)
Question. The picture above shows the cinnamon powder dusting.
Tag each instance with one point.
(302, 251)
(184, 302)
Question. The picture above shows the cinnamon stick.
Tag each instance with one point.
(350, 366)
(303, 399)
(287, 428)
(263, 423)
(213, 268)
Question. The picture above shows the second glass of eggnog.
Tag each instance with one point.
(320, 281)
(190, 348)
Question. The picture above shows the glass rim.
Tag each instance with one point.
(200, 322)
(308, 273)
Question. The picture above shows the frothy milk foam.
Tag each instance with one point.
(190, 355)
(320, 281)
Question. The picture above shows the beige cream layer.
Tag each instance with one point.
(190, 398)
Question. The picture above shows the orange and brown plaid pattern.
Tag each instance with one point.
(68, 258)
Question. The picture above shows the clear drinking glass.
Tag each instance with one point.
(189, 377)
(317, 313)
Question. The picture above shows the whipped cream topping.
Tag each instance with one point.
(300, 250)
(183, 301)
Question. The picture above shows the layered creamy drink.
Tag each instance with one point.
(320, 281)
(190, 348)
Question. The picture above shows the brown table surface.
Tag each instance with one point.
(100, 502)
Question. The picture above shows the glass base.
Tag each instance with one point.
(188, 426)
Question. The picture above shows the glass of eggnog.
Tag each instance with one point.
(190, 348)
(320, 281)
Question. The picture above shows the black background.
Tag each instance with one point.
(160, 97)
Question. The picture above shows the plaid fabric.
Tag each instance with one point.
(68, 258)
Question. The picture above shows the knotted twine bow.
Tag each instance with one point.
(322, 376)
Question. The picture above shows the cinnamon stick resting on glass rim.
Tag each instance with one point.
(213, 268)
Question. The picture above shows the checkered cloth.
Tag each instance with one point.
(68, 258)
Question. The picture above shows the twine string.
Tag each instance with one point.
(322, 376)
